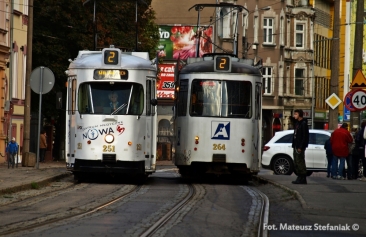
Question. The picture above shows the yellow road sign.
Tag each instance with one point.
(359, 81)
(333, 101)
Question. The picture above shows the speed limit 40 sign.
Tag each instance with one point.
(358, 99)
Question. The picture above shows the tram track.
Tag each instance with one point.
(159, 223)
(20, 227)
(260, 205)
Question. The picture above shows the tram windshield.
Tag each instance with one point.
(111, 98)
(220, 98)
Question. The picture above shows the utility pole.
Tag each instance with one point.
(334, 78)
(27, 101)
(357, 53)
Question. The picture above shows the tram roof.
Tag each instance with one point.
(208, 66)
(93, 59)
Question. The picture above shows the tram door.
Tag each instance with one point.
(150, 142)
(70, 146)
(257, 126)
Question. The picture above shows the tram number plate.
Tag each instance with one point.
(219, 147)
(108, 148)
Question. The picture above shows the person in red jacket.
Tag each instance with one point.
(339, 140)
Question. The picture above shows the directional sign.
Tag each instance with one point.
(358, 99)
(347, 102)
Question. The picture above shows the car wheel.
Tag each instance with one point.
(308, 173)
(282, 165)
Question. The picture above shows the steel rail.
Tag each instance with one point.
(264, 215)
(81, 213)
(158, 224)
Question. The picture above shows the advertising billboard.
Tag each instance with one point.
(165, 87)
(181, 41)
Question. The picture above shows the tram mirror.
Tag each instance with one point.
(59, 100)
(154, 102)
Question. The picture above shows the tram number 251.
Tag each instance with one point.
(219, 147)
(109, 148)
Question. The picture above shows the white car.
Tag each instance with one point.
(278, 152)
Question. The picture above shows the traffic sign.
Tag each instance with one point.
(359, 81)
(358, 99)
(347, 102)
(42, 75)
(333, 101)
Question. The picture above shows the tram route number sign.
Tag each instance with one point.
(358, 99)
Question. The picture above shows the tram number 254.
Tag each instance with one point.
(219, 147)
(109, 148)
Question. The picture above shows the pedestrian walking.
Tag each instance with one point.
(329, 153)
(339, 140)
(42, 145)
(300, 142)
(12, 150)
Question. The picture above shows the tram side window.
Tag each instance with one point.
(73, 96)
(137, 100)
(182, 98)
(84, 105)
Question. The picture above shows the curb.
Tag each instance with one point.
(28, 186)
(294, 192)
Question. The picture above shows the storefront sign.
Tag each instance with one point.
(181, 41)
(166, 85)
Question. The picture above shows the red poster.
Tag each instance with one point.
(166, 84)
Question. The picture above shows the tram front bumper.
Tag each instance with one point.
(97, 166)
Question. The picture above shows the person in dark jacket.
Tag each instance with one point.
(328, 151)
(340, 139)
(300, 142)
(360, 144)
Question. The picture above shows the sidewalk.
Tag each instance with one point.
(21, 178)
(322, 193)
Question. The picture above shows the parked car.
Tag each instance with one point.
(278, 152)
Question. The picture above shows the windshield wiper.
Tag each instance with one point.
(118, 109)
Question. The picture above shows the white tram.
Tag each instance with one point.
(218, 117)
(111, 113)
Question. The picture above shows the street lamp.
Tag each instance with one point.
(313, 80)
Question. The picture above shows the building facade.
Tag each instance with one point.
(4, 59)
(15, 73)
(292, 38)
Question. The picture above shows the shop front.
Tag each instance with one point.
(165, 95)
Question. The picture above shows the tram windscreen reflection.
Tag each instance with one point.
(220, 98)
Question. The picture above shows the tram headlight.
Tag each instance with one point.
(109, 138)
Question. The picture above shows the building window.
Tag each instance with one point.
(282, 30)
(224, 24)
(299, 36)
(268, 31)
(267, 80)
(255, 29)
(299, 81)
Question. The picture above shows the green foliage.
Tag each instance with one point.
(34, 185)
(63, 27)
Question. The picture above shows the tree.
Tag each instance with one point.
(63, 27)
